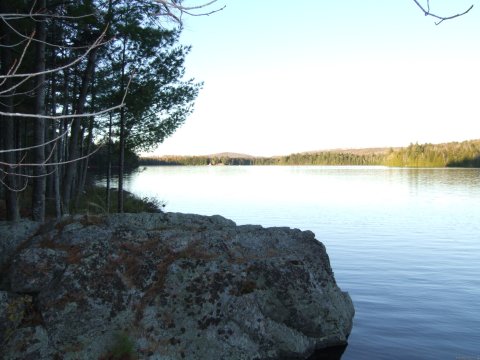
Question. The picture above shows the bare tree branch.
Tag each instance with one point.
(59, 117)
(72, 116)
(6, 173)
(23, 93)
(25, 37)
(52, 163)
(12, 189)
(16, 64)
(98, 42)
(441, 18)
(40, 145)
(174, 9)
(18, 16)
(13, 45)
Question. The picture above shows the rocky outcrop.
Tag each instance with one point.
(168, 286)
(12, 235)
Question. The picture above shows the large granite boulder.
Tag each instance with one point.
(12, 235)
(169, 286)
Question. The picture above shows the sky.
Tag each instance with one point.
(282, 77)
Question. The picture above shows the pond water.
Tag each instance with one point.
(405, 243)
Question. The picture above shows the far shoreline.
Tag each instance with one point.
(464, 154)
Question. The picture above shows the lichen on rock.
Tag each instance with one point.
(177, 286)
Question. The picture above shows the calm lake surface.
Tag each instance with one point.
(405, 243)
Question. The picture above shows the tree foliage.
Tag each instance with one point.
(69, 69)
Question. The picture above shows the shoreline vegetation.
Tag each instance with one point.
(91, 202)
(453, 154)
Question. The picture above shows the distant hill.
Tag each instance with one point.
(362, 151)
(231, 155)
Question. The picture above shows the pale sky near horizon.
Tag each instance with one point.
(283, 77)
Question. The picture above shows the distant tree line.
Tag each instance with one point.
(455, 154)
(197, 160)
(322, 158)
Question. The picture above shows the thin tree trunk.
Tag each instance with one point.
(65, 123)
(83, 177)
(89, 138)
(49, 149)
(9, 157)
(121, 167)
(109, 159)
(58, 150)
(78, 178)
(56, 178)
(71, 167)
(8, 128)
(39, 182)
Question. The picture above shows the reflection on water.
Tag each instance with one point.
(403, 242)
(334, 353)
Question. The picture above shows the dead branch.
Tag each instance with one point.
(6, 173)
(60, 117)
(97, 43)
(25, 37)
(52, 163)
(16, 64)
(12, 189)
(174, 9)
(441, 18)
(72, 116)
(40, 145)
(18, 16)
(13, 45)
